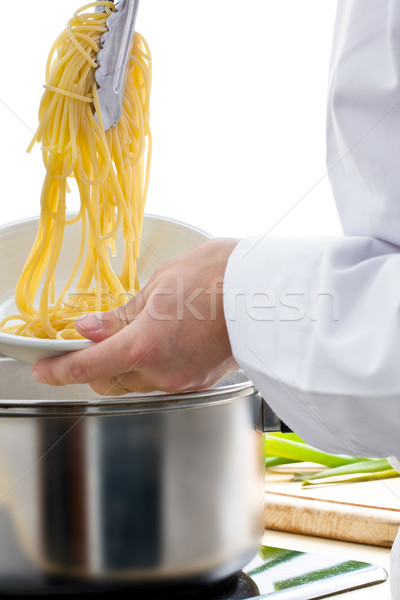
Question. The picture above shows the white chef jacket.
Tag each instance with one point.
(315, 323)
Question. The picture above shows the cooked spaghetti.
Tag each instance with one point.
(111, 171)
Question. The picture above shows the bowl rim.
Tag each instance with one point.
(11, 339)
(31, 342)
(72, 213)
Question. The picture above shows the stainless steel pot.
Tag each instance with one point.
(141, 488)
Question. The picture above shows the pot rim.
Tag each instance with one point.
(126, 404)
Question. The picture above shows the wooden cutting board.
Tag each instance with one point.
(366, 512)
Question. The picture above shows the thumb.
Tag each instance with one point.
(100, 326)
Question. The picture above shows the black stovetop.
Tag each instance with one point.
(275, 573)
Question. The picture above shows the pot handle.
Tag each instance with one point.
(264, 417)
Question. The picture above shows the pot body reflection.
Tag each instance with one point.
(145, 489)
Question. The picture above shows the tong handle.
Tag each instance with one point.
(130, 7)
(113, 60)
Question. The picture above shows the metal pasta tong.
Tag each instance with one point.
(113, 59)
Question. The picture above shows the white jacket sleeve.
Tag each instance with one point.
(315, 323)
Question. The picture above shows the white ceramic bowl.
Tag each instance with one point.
(162, 239)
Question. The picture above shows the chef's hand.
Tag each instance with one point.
(171, 336)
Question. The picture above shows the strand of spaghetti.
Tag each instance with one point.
(62, 92)
(112, 280)
(55, 252)
(78, 217)
(66, 287)
(86, 7)
(79, 46)
(78, 35)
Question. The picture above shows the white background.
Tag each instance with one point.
(238, 111)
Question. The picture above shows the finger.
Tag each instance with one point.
(103, 325)
(134, 382)
(123, 352)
